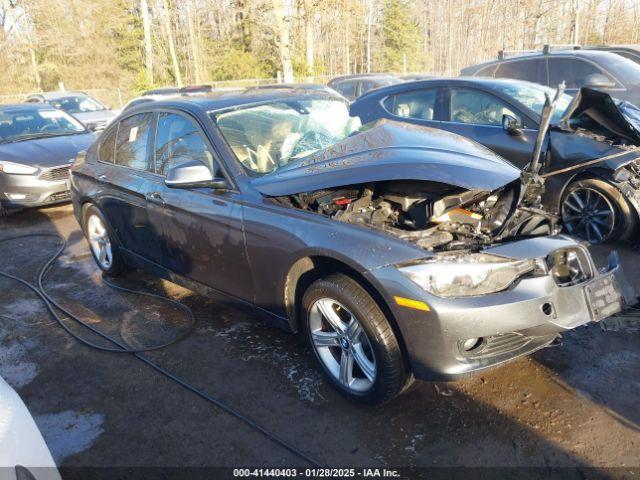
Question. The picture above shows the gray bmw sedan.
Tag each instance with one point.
(38, 144)
(397, 251)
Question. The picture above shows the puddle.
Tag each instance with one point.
(15, 367)
(67, 433)
(253, 341)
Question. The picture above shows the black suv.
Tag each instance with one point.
(600, 70)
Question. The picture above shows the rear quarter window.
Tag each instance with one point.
(486, 71)
(132, 142)
(108, 145)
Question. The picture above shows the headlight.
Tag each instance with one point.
(16, 168)
(467, 275)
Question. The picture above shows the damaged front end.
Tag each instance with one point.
(492, 279)
(431, 215)
(452, 194)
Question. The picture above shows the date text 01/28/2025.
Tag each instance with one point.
(317, 472)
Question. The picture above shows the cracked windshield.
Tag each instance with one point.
(268, 137)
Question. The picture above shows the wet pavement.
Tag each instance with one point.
(572, 405)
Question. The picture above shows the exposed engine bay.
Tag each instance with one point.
(432, 215)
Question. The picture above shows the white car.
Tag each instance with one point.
(23, 453)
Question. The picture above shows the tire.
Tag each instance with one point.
(3, 211)
(603, 196)
(372, 344)
(99, 234)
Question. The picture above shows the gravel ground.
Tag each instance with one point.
(569, 406)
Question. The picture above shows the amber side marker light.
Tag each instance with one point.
(415, 304)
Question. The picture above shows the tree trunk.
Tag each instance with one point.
(309, 34)
(283, 26)
(369, 22)
(36, 72)
(148, 48)
(172, 47)
(192, 41)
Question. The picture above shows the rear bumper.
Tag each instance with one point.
(20, 191)
(508, 325)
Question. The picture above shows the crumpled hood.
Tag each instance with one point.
(592, 107)
(46, 152)
(390, 150)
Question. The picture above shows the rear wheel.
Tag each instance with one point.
(596, 211)
(102, 242)
(353, 340)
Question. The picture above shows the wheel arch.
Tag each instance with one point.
(308, 269)
(85, 203)
(629, 213)
(591, 173)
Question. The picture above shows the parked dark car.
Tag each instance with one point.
(303, 86)
(632, 52)
(599, 70)
(597, 199)
(186, 90)
(88, 110)
(352, 86)
(37, 146)
(387, 246)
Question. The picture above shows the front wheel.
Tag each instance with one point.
(596, 211)
(353, 340)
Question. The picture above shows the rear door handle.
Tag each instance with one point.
(155, 197)
(102, 178)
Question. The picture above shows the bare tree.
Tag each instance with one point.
(148, 48)
(172, 48)
(283, 31)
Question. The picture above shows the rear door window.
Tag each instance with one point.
(132, 142)
(478, 108)
(179, 140)
(419, 104)
(573, 71)
(531, 70)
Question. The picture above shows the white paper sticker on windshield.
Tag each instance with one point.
(133, 134)
(52, 114)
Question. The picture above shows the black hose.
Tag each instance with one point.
(52, 304)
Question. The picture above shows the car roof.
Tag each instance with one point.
(56, 95)
(224, 99)
(14, 107)
(426, 83)
(629, 47)
(362, 76)
(594, 55)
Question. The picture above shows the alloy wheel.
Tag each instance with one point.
(590, 214)
(99, 241)
(342, 345)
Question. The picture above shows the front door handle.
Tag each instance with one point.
(155, 197)
(102, 178)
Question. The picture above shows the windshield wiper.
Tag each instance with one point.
(31, 136)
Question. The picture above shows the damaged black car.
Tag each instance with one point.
(590, 158)
(397, 251)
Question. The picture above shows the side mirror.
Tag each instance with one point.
(192, 174)
(511, 125)
(598, 80)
